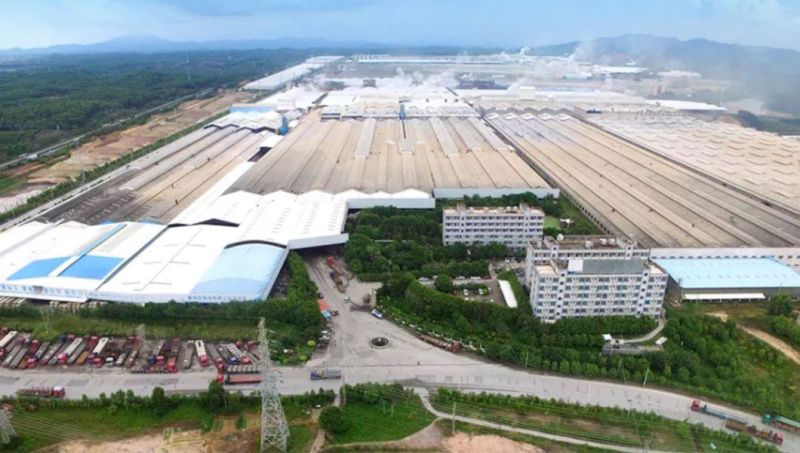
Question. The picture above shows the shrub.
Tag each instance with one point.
(332, 419)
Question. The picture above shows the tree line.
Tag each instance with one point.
(703, 354)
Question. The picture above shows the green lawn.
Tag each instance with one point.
(300, 438)
(750, 314)
(49, 426)
(383, 422)
(72, 323)
(609, 426)
(551, 222)
(8, 183)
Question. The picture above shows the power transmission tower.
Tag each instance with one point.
(6, 430)
(274, 428)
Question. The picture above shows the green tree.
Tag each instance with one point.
(216, 397)
(780, 305)
(159, 401)
(333, 420)
(444, 283)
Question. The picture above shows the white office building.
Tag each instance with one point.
(594, 247)
(512, 226)
(597, 287)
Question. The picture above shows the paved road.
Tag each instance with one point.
(405, 360)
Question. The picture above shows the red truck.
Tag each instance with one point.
(235, 379)
(452, 346)
(43, 392)
(742, 427)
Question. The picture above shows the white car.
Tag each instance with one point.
(377, 313)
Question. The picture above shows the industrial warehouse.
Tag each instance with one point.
(211, 217)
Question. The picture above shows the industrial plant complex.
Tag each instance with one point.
(692, 207)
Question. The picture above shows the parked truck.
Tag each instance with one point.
(325, 373)
(43, 392)
(452, 346)
(781, 422)
(202, 356)
(743, 427)
(7, 339)
(698, 406)
(237, 379)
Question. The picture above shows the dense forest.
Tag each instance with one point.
(50, 98)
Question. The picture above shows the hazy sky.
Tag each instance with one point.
(35, 23)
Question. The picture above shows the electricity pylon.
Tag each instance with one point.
(274, 428)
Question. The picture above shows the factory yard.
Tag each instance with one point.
(758, 162)
(163, 183)
(439, 155)
(640, 195)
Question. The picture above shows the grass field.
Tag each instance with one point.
(48, 426)
(750, 314)
(9, 183)
(60, 323)
(594, 424)
(300, 438)
(545, 444)
(551, 222)
(383, 422)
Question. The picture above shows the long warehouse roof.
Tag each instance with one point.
(730, 273)
(459, 155)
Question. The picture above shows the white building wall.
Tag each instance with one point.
(513, 227)
(561, 294)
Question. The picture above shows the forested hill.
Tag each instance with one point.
(50, 98)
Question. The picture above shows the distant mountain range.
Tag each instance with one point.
(151, 44)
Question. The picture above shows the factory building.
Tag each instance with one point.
(597, 287)
(728, 279)
(512, 226)
(222, 248)
(789, 256)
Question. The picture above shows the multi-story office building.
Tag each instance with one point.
(597, 287)
(512, 226)
(579, 247)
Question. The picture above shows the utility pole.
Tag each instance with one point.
(6, 430)
(453, 421)
(274, 428)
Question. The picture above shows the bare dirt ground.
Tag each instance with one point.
(467, 443)
(790, 352)
(182, 442)
(116, 144)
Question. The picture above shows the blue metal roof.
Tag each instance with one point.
(92, 267)
(246, 269)
(38, 268)
(733, 273)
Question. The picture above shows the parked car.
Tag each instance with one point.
(377, 313)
